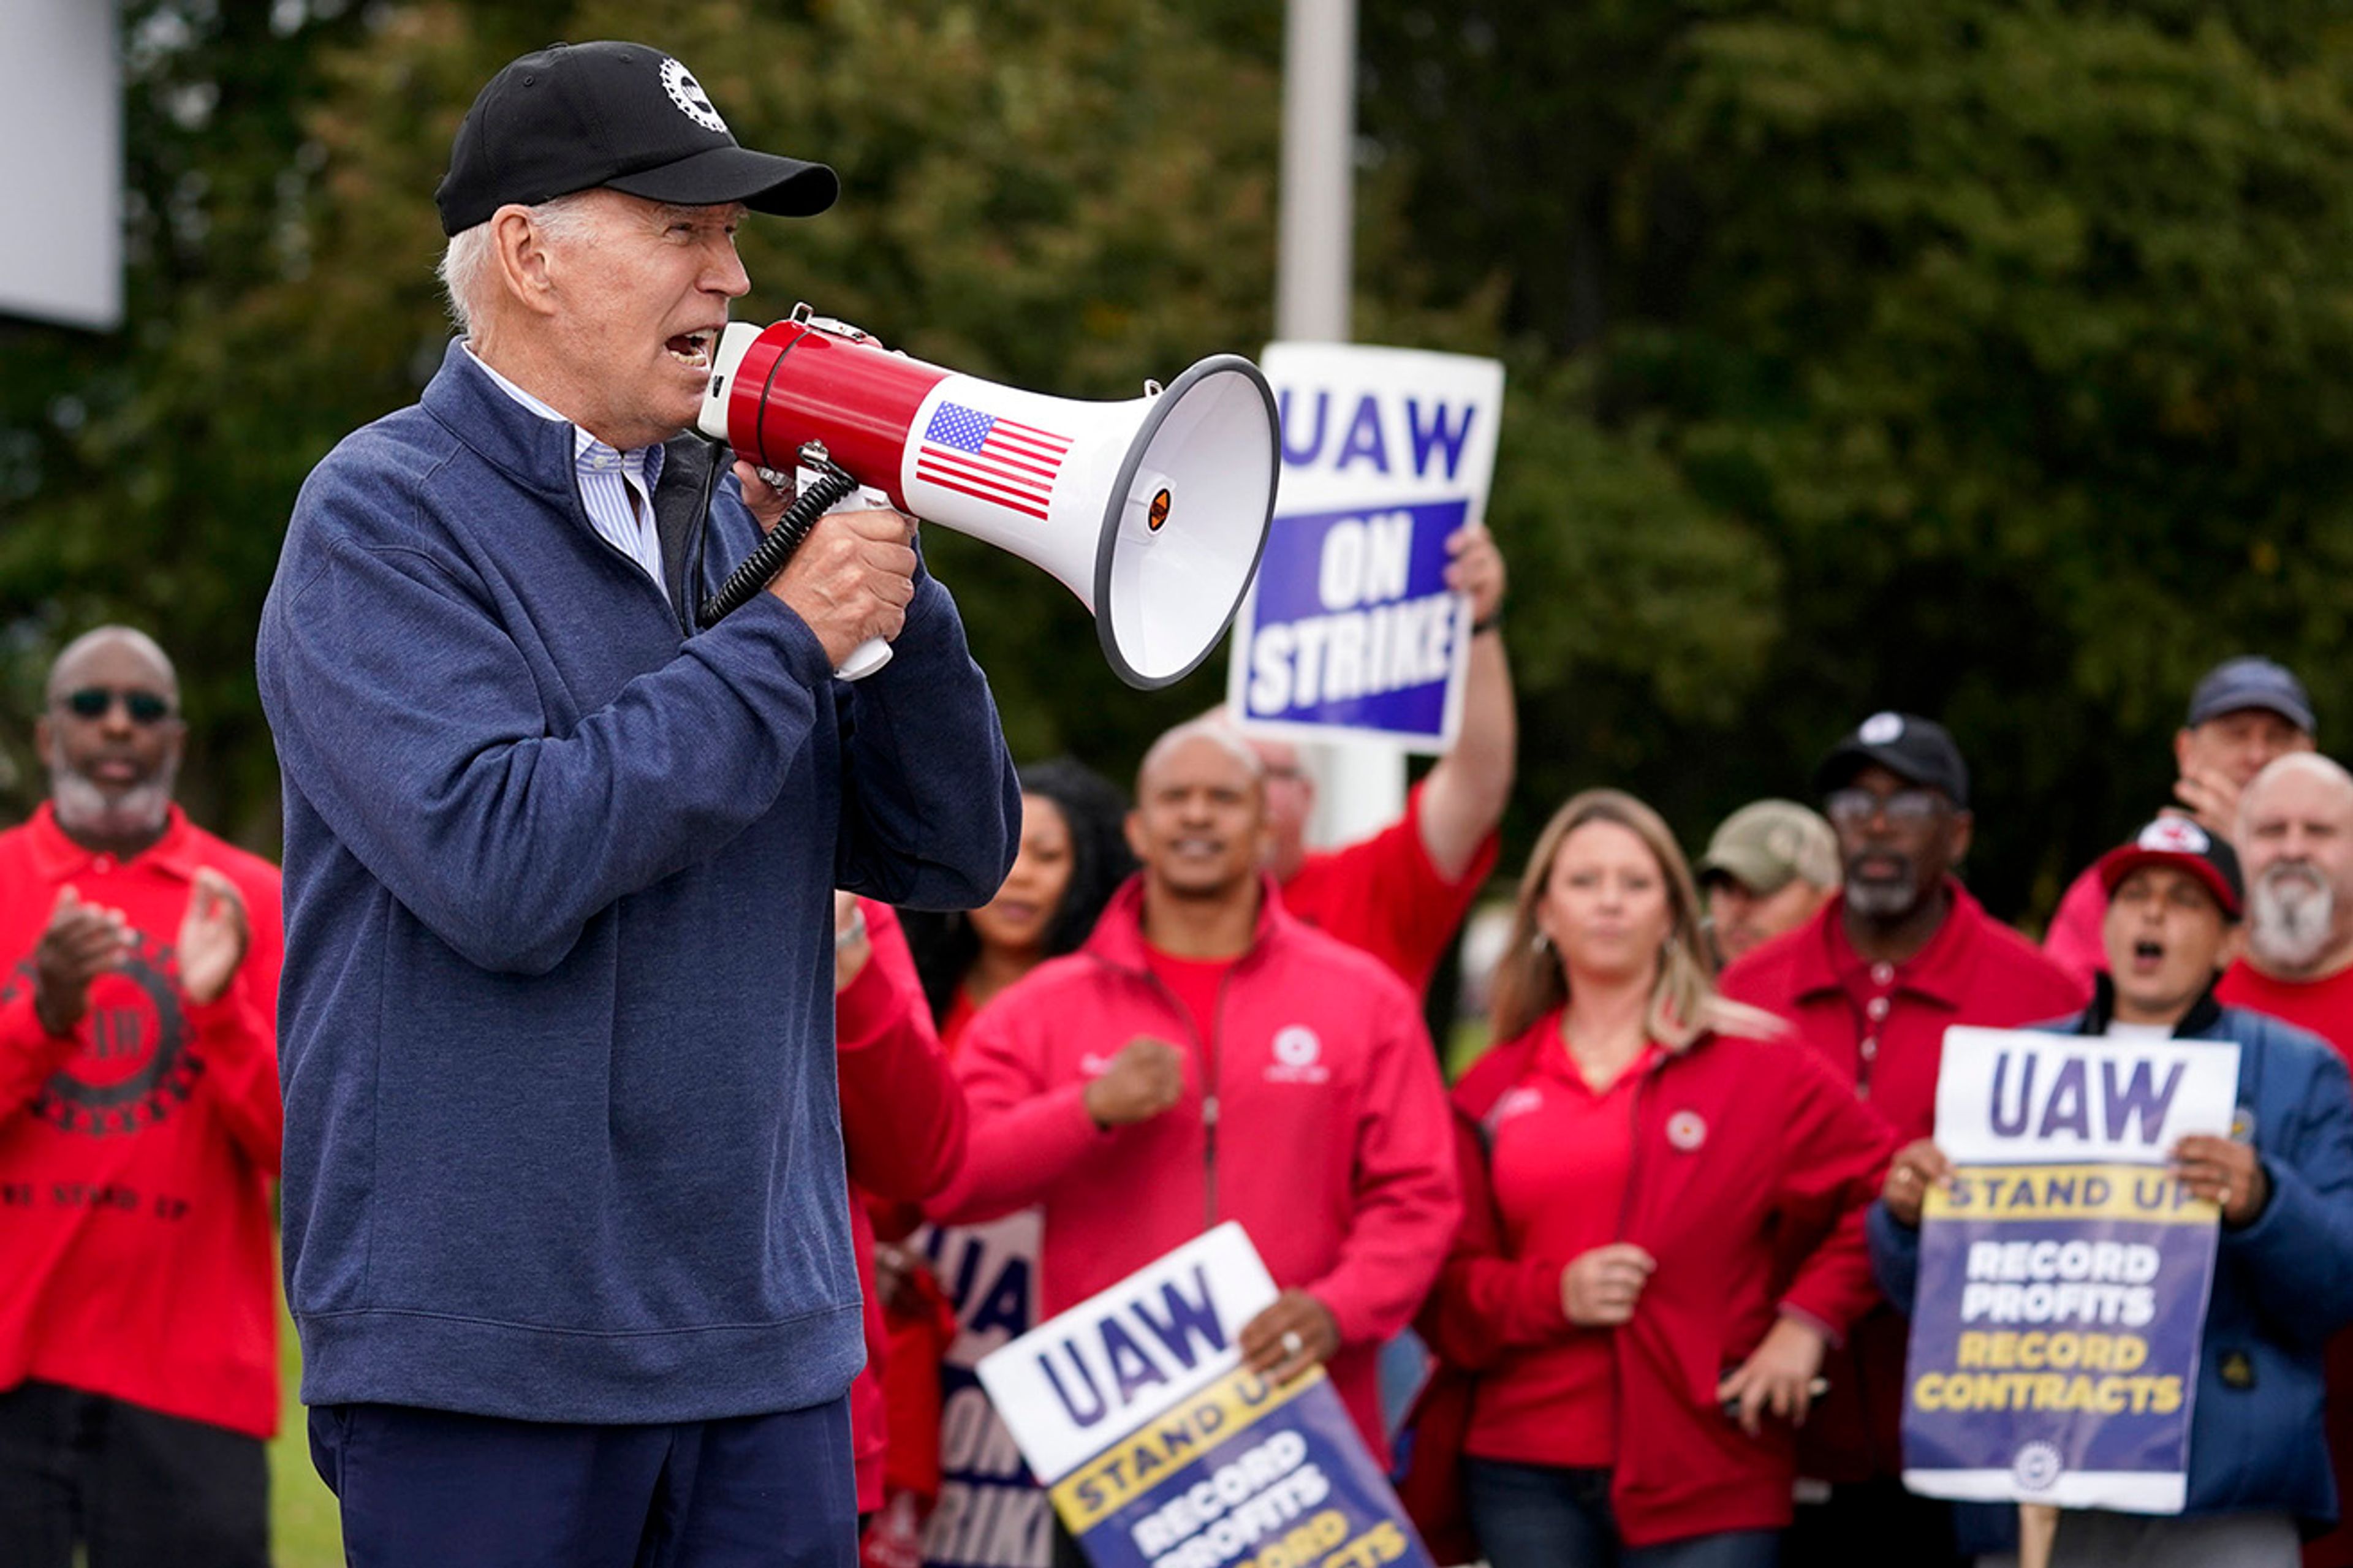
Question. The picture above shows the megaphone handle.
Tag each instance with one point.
(864, 660)
(874, 653)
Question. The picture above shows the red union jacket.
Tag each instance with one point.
(1881, 1029)
(903, 1129)
(1327, 1136)
(136, 1257)
(1746, 1152)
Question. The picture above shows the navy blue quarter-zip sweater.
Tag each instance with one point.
(562, 1140)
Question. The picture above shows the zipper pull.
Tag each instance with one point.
(1209, 1110)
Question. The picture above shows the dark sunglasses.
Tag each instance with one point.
(93, 702)
(1905, 808)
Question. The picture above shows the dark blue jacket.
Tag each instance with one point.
(556, 1023)
(2282, 1284)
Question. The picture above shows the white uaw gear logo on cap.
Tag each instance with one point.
(2175, 836)
(691, 101)
(1882, 729)
(1686, 1131)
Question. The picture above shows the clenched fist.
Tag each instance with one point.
(1145, 1079)
(853, 579)
(1599, 1288)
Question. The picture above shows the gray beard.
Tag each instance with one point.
(1881, 901)
(86, 811)
(2294, 917)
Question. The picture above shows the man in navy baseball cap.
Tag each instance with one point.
(1903, 952)
(567, 1235)
(623, 117)
(2243, 713)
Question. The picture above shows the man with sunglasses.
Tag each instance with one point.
(139, 1133)
(1899, 955)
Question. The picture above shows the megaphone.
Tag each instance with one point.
(1153, 512)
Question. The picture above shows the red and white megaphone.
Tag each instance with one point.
(1154, 511)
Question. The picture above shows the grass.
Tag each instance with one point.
(304, 1531)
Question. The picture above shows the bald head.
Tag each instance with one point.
(1198, 818)
(113, 646)
(2295, 845)
(1211, 728)
(112, 736)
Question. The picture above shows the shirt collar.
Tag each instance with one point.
(1940, 971)
(57, 856)
(2196, 1024)
(590, 455)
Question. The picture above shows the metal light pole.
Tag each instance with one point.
(1359, 788)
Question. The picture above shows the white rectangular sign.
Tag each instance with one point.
(1348, 631)
(1079, 1382)
(61, 161)
(2005, 1095)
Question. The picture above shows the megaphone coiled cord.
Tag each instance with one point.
(769, 557)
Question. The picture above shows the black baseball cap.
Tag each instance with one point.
(574, 117)
(2176, 841)
(2237, 684)
(1917, 750)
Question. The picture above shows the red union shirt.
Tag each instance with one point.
(1385, 897)
(1882, 1026)
(136, 1255)
(1561, 1154)
(2326, 1007)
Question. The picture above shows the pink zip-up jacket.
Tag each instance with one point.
(1314, 1114)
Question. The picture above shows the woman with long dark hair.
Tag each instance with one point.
(1663, 1196)
(1073, 854)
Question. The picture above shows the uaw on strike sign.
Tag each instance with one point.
(1160, 1451)
(1348, 630)
(2065, 1277)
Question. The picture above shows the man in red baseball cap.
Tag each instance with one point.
(2259, 1470)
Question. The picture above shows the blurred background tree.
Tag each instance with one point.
(1972, 357)
(2009, 335)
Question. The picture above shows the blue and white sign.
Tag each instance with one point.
(991, 1513)
(2064, 1272)
(1349, 631)
(1162, 1450)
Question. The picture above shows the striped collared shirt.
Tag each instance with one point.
(615, 487)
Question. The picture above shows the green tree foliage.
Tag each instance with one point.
(1968, 355)
(1070, 202)
(145, 474)
(2011, 330)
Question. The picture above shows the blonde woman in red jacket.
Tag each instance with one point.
(1662, 1228)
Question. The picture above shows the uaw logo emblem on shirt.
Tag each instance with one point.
(134, 1066)
(1298, 1057)
(1519, 1101)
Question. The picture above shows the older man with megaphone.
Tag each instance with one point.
(565, 1228)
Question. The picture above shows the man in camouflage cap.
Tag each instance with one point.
(1770, 866)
